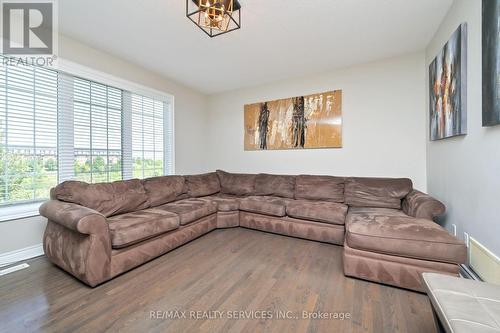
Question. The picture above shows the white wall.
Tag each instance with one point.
(22, 233)
(464, 172)
(190, 106)
(383, 124)
(190, 129)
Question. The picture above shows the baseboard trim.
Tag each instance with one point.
(26, 253)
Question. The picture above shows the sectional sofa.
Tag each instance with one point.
(98, 231)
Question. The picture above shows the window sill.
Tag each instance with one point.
(15, 212)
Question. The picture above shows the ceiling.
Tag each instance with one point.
(279, 39)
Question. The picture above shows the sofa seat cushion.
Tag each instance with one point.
(129, 228)
(225, 202)
(390, 231)
(265, 205)
(320, 211)
(190, 210)
(373, 211)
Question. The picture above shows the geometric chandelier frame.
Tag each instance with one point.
(214, 17)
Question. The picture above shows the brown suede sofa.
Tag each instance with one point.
(98, 231)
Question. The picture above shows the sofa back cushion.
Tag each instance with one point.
(203, 185)
(327, 188)
(376, 192)
(275, 185)
(107, 198)
(164, 189)
(236, 183)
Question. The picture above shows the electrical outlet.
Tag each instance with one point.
(454, 229)
(466, 239)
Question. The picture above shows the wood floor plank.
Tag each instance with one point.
(229, 277)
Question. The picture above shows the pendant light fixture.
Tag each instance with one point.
(214, 17)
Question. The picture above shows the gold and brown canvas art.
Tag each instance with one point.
(312, 121)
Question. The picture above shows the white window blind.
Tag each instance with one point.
(28, 133)
(148, 144)
(97, 131)
(56, 127)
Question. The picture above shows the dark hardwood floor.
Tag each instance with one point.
(227, 271)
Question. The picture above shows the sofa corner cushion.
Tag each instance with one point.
(376, 192)
(266, 205)
(275, 185)
(225, 202)
(203, 184)
(164, 189)
(403, 236)
(109, 199)
(326, 188)
(190, 210)
(130, 228)
(236, 183)
(320, 211)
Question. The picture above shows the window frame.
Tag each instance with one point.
(64, 66)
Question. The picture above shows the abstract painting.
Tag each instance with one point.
(312, 121)
(491, 62)
(447, 88)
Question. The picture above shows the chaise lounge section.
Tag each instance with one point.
(98, 231)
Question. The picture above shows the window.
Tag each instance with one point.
(97, 132)
(28, 133)
(147, 137)
(55, 127)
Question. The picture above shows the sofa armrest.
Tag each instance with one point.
(74, 217)
(77, 239)
(421, 205)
